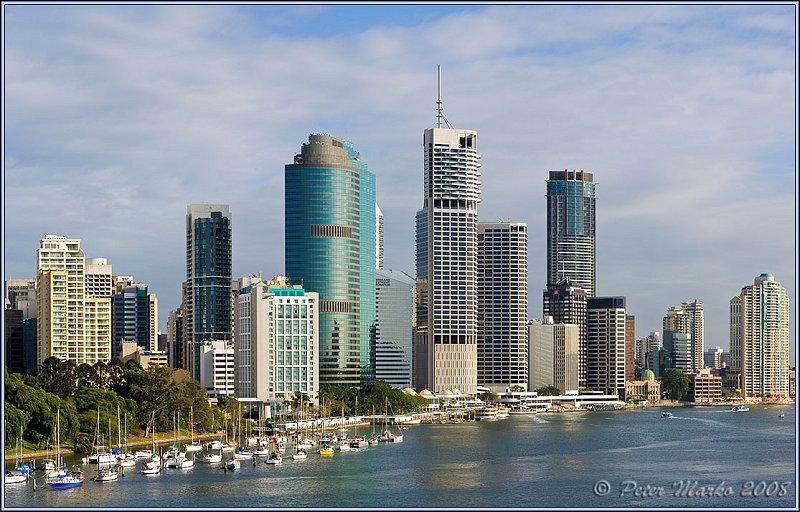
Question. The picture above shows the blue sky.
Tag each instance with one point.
(117, 117)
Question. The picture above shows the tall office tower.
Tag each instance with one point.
(394, 327)
(605, 344)
(553, 355)
(448, 340)
(175, 330)
(135, 314)
(99, 279)
(71, 325)
(379, 237)
(208, 278)
(694, 310)
(20, 295)
(571, 229)
(713, 358)
(630, 347)
(502, 305)
(678, 341)
(567, 305)
(644, 346)
(762, 338)
(330, 249)
(14, 348)
(277, 341)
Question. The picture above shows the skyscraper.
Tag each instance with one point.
(379, 237)
(20, 297)
(760, 337)
(394, 327)
(330, 249)
(502, 305)
(694, 310)
(567, 305)
(135, 318)
(553, 355)
(630, 347)
(605, 344)
(446, 340)
(571, 229)
(678, 340)
(208, 278)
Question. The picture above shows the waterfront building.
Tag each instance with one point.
(731, 379)
(630, 347)
(330, 249)
(566, 303)
(647, 389)
(760, 334)
(209, 229)
(694, 310)
(71, 324)
(20, 297)
(571, 229)
(217, 368)
(553, 354)
(276, 350)
(704, 387)
(130, 350)
(531, 401)
(502, 305)
(678, 339)
(446, 344)
(645, 345)
(713, 358)
(135, 317)
(394, 327)
(605, 344)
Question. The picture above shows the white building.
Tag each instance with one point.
(502, 305)
(277, 341)
(713, 357)
(553, 355)
(446, 340)
(217, 368)
(644, 346)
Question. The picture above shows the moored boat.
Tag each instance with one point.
(106, 475)
(359, 442)
(66, 481)
(15, 477)
(233, 465)
(151, 467)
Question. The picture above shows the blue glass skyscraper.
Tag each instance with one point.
(330, 249)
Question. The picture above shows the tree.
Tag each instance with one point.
(58, 377)
(674, 384)
(548, 391)
(16, 422)
(87, 376)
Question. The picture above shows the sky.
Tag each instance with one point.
(116, 117)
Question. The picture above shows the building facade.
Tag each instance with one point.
(217, 368)
(567, 305)
(605, 344)
(502, 305)
(394, 327)
(713, 358)
(678, 341)
(446, 355)
(704, 387)
(630, 347)
(20, 297)
(571, 229)
(277, 341)
(647, 389)
(330, 249)
(135, 318)
(694, 310)
(553, 355)
(645, 345)
(209, 229)
(762, 338)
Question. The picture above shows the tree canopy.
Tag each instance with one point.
(674, 384)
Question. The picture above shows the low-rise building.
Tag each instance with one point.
(132, 350)
(704, 387)
(646, 389)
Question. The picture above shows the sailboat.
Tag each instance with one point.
(388, 436)
(125, 458)
(152, 464)
(60, 478)
(176, 458)
(100, 456)
(326, 446)
(15, 476)
(344, 443)
(300, 445)
(194, 446)
(106, 473)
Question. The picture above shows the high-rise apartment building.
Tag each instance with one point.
(760, 336)
(71, 324)
(713, 358)
(678, 341)
(502, 305)
(175, 345)
(694, 310)
(646, 345)
(630, 347)
(379, 237)
(394, 327)
(571, 229)
(21, 294)
(99, 278)
(277, 341)
(207, 304)
(330, 249)
(553, 355)
(135, 318)
(605, 344)
(446, 341)
(566, 303)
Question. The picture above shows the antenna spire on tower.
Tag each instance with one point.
(439, 113)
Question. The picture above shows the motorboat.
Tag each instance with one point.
(359, 442)
(233, 465)
(179, 462)
(666, 414)
(106, 475)
(740, 408)
(143, 454)
(151, 467)
(15, 476)
(65, 481)
(274, 458)
(214, 445)
(211, 458)
(388, 437)
(243, 454)
(300, 453)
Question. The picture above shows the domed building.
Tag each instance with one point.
(647, 389)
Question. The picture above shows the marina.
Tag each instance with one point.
(536, 460)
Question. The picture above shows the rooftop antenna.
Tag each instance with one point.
(439, 114)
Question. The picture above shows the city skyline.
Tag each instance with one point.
(681, 113)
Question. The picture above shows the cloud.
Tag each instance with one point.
(117, 117)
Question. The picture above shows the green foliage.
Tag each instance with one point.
(730, 393)
(16, 422)
(376, 396)
(488, 396)
(674, 384)
(41, 407)
(82, 443)
(548, 391)
(58, 377)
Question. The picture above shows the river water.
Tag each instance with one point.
(703, 457)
